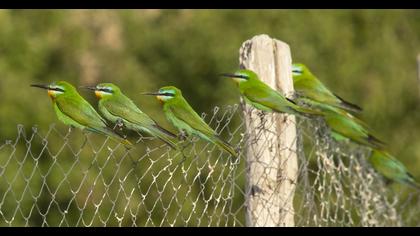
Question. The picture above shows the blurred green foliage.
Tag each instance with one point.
(366, 56)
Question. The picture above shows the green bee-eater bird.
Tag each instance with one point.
(72, 109)
(185, 119)
(388, 166)
(307, 85)
(345, 126)
(115, 106)
(263, 97)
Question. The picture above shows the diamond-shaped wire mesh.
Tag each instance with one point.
(61, 177)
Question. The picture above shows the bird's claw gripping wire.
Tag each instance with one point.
(182, 136)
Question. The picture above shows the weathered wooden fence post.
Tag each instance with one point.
(271, 151)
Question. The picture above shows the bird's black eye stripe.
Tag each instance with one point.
(296, 71)
(168, 94)
(57, 89)
(242, 76)
(106, 90)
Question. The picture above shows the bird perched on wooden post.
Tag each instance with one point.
(261, 96)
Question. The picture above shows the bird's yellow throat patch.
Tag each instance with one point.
(98, 94)
(51, 93)
(160, 99)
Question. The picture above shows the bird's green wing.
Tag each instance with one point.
(128, 111)
(351, 129)
(80, 111)
(184, 112)
(268, 98)
(315, 89)
(340, 112)
(392, 168)
(388, 166)
(360, 122)
(346, 126)
(337, 114)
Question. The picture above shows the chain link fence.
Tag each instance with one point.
(58, 177)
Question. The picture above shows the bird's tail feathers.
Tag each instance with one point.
(411, 181)
(163, 130)
(308, 112)
(348, 105)
(163, 134)
(375, 142)
(413, 184)
(114, 135)
(119, 137)
(226, 146)
(167, 141)
(351, 107)
(303, 111)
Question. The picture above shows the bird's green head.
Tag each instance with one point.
(299, 69)
(57, 89)
(104, 90)
(167, 93)
(241, 76)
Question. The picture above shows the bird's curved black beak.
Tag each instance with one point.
(152, 93)
(43, 86)
(227, 75)
(93, 88)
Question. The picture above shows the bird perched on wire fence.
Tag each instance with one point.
(185, 119)
(307, 85)
(72, 109)
(343, 125)
(391, 168)
(115, 106)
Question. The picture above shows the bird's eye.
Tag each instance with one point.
(107, 90)
(58, 89)
(245, 77)
(168, 94)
